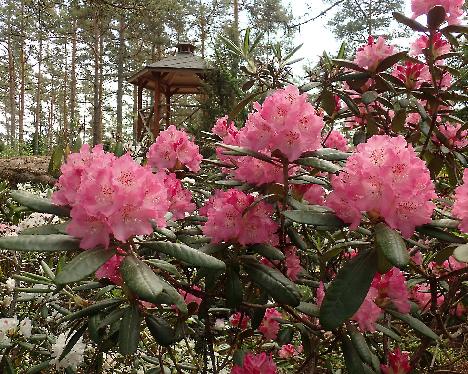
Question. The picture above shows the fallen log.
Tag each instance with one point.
(24, 169)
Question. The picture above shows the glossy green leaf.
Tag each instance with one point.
(310, 309)
(58, 228)
(389, 332)
(435, 17)
(307, 217)
(415, 323)
(369, 97)
(348, 290)
(86, 263)
(141, 279)
(39, 204)
(274, 283)
(161, 330)
(360, 344)
(268, 251)
(92, 309)
(416, 26)
(330, 154)
(187, 254)
(347, 64)
(354, 364)
(389, 61)
(438, 234)
(40, 243)
(319, 164)
(164, 265)
(461, 253)
(390, 243)
(233, 289)
(39, 368)
(129, 331)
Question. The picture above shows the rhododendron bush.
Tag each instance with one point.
(327, 231)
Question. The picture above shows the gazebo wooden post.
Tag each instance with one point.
(156, 111)
(139, 129)
(168, 107)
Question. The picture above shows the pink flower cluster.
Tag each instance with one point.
(190, 298)
(111, 196)
(460, 208)
(240, 320)
(232, 218)
(173, 148)
(398, 363)
(337, 141)
(385, 178)
(270, 326)
(386, 290)
(312, 193)
(453, 8)
(412, 74)
(373, 53)
(289, 350)
(456, 138)
(111, 270)
(256, 364)
(440, 46)
(286, 122)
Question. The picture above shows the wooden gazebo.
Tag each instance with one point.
(182, 73)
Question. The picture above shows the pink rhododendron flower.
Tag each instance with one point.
(320, 293)
(312, 193)
(256, 364)
(392, 288)
(111, 270)
(286, 121)
(190, 298)
(92, 230)
(456, 138)
(440, 46)
(373, 53)
(368, 313)
(453, 8)
(270, 326)
(289, 350)
(180, 199)
(460, 207)
(240, 320)
(386, 178)
(398, 363)
(230, 218)
(412, 74)
(172, 146)
(293, 263)
(336, 140)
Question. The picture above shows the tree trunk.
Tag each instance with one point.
(73, 118)
(12, 88)
(236, 20)
(37, 113)
(97, 134)
(135, 114)
(64, 102)
(120, 77)
(23, 78)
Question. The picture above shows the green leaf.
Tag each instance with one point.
(347, 64)
(360, 344)
(57, 228)
(39, 367)
(386, 331)
(161, 330)
(416, 26)
(72, 341)
(307, 217)
(460, 29)
(187, 254)
(40, 243)
(111, 318)
(389, 61)
(398, 121)
(240, 151)
(92, 309)
(369, 97)
(86, 263)
(308, 308)
(415, 323)
(391, 245)
(141, 279)
(436, 17)
(461, 253)
(233, 289)
(164, 265)
(319, 164)
(39, 204)
(330, 154)
(275, 283)
(268, 251)
(327, 102)
(129, 332)
(353, 362)
(435, 233)
(348, 290)
(243, 103)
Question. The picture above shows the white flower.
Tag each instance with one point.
(73, 358)
(25, 328)
(8, 327)
(10, 284)
(219, 324)
(7, 301)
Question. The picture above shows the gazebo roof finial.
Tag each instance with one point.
(185, 46)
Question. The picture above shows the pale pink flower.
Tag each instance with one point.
(460, 207)
(336, 140)
(320, 293)
(421, 293)
(93, 230)
(386, 178)
(457, 139)
(453, 8)
(231, 218)
(368, 313)
(240, 320)
(179, 198)
(286, 122)
(398, 363)
(289, 350)
(373, 53)
(111, 270)
(256, 364)
(270, 326)
(440, 46)
(172, 146)
(293, 263)
(312, 193)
